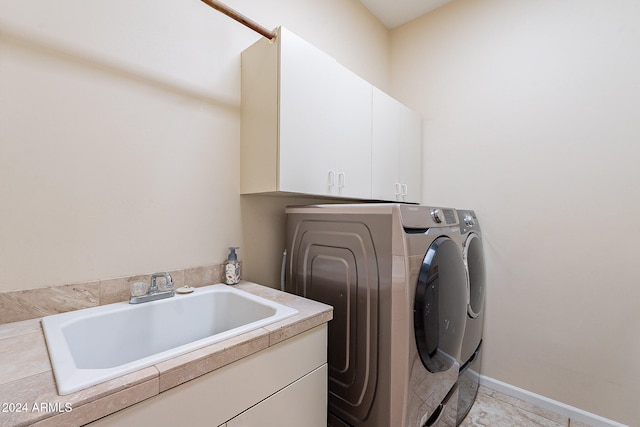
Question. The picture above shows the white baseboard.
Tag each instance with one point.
(548, 404)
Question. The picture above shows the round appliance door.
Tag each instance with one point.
(474, 264)
(439, 312)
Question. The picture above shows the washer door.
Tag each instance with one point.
(439, 311)
(473, 257)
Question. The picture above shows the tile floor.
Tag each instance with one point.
(494, 409)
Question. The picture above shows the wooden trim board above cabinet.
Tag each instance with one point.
(310, 126)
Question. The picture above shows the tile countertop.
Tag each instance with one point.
(28, 394)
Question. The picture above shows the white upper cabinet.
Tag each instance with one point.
(396, 150)
(385, 144)
(325, 123)
(309, 126)
(410, 155)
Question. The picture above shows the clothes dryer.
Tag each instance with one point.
(396, 278)
(471, 354)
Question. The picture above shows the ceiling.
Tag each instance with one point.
(394, 13)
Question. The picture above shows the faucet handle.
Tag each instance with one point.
(162, 285)
(168, 283)
(138, 288)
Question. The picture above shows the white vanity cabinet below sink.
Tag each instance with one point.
(284, 385)
(299, 404)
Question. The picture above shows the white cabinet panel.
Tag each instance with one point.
(310, 134)
(396, 150)
(385, 155)
(303, 403)
(410, 154)
(325, 123)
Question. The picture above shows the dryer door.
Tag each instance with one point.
(474, 263)
(440, 305)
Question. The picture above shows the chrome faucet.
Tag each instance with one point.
(155, 292)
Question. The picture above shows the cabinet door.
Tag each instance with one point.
(303, 403)
(324, 124)
(411, 154)
(396, 155)
(385, 153)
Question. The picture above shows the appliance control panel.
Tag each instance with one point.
(468, 221)
(424, 217)
(437, 215)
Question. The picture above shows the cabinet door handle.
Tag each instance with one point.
(398, 189)
(404, 190)
(332, 179)
(341, 180)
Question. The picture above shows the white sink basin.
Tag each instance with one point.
(93, 345)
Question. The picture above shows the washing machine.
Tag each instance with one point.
(471, 354)
(396, 279)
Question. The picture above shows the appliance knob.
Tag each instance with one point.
(468, 219)
(437, 215)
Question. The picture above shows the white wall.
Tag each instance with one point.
(120, 129)
(531, 118)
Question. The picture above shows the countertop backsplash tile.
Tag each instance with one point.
(34, 303)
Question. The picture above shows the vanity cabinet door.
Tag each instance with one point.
(303, 403)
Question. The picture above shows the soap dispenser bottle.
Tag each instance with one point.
(232, 267)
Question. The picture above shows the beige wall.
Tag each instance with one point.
(531, 118)
(120, 130)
